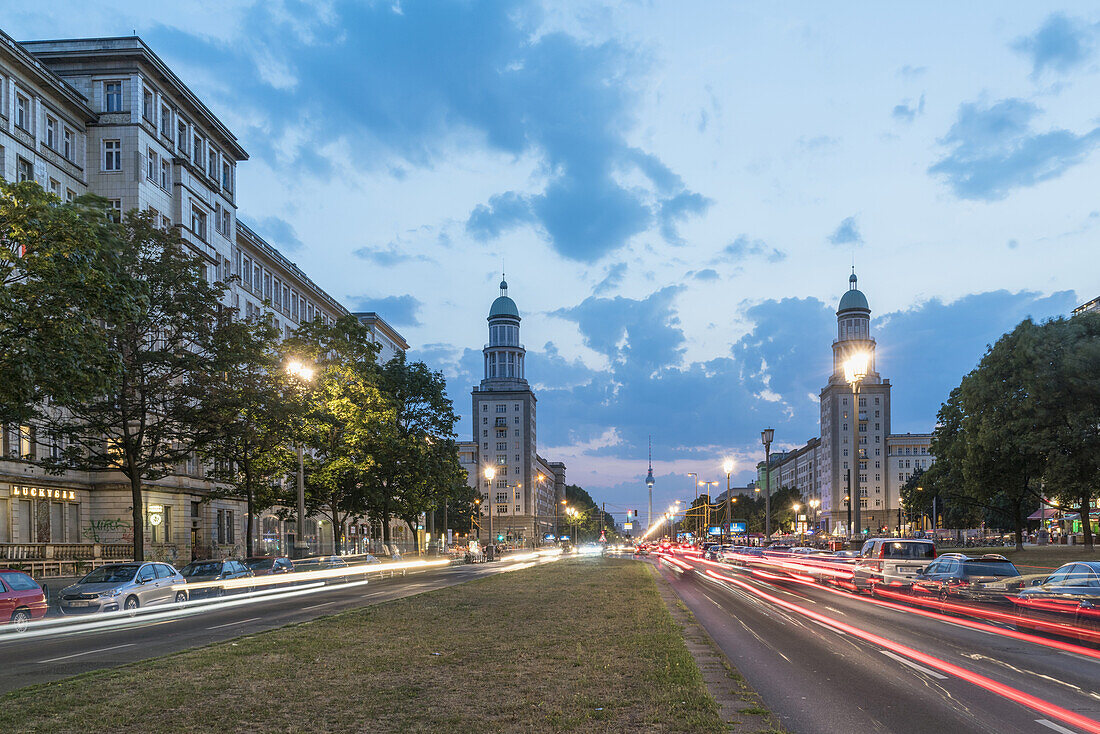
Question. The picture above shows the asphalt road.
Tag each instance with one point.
(817, 678)
(26, 660)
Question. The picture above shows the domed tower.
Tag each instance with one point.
(853, 330)
(504, 355)
(854, 429)
(649, 482)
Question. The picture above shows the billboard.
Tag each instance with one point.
(714, 530)
(739, 526)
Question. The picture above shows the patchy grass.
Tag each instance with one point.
(583, 645)
(1038, 557)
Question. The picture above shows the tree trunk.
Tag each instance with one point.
(385, 524)
(1086, 521)
(137, 516)
(337, 535)
(248, 522)
(416, 535)
(1019, 525)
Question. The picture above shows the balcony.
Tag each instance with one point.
(61, 559)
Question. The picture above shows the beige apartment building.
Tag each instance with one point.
(108, 116)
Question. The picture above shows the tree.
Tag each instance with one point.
(1067, 393)
(416, 463)
(344, 409)
(147, 418)
(59, 279)
(250, 413)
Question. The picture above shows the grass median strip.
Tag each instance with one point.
(582, 645)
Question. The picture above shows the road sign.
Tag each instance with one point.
(739, 526)
(714, 530)
(628, 526)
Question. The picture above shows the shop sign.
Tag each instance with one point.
(156, 515)
(44, 493)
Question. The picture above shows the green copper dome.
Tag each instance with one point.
(504, 306)
(853, 300)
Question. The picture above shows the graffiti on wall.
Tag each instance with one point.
(109, 530)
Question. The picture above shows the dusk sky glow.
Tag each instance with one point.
(677, 192)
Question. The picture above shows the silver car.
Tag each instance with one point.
(124, 586)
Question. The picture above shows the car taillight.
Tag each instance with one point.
(882, 551)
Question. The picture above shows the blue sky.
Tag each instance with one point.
(677, 191)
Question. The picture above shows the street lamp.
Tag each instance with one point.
(795, 507)
(303, 373)
(855, 369)
(490, 472)
(727, 467)
(815, 503)
(766, 437)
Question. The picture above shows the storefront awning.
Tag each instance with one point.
(1044, 513)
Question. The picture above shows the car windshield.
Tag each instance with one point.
(990, 568)
(909, 550)
(111, 574)
(18, 581)
(259, 564)
(208, 568)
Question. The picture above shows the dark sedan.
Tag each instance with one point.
(214, 578)
(1066, 603)
(268, 565)
(988, 578)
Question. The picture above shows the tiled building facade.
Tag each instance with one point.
(107, 116)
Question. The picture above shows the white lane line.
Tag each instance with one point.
(1051, 725)
(87, 652)
(914, 666)
(230, 624)
(317, 606)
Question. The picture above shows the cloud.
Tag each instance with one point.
(423, 76)
(612, 279)
(742, 248)
(911, 72)
(1061, 44)
(503, 212)
(846, 233)
(637, 335)
(388, 257)
(993, 150)
(706, 274)
(906, 113)
(277, 231)
(677, 209)
(398, 310)
(818, 143)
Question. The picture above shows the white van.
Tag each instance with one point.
(891, 562)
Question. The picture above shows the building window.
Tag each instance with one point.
(502, 460)
(70, 195)
(51, 132)
(181, 138)
(212, 168)
(151, 166)
(166, 121)
(165, 174)
(24, 171)
(55, 187)
(112, 155)
(196, 153)
(198, 222)
(112, 94)
(502, 408)
(114, 211)
(22, 112)
(67, 144)
(227, 177)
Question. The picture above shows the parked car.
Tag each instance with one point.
(268, 565)
(123, 586)
(21, 599)
(988, 578)
(641, 549)
(322, 563)
(206, 579)
(891, 562)
(1069, 599)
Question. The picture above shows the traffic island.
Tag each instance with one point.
(578, 645)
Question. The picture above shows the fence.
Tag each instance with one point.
(61, 559)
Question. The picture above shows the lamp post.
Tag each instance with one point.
(815, 503)
(855, 369)
(802, 532)
(303, 373)
(490, 472)
(727, 467)
(766, 437)
(706, 513)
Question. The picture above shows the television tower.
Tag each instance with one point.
(649, 483)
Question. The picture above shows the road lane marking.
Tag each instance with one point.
(1055, 727)
(316, 606)
(914, 666)
(230, 624)
(87, 652)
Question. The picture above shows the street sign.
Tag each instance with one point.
(714, 530)
(628, 526)
(739, 526)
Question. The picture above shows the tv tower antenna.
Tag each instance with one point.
(649, 484)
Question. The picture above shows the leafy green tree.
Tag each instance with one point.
(416, 463)
(146, 418)
(60, 278)
(251, 412)
(344, 410)
(1067, 393)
